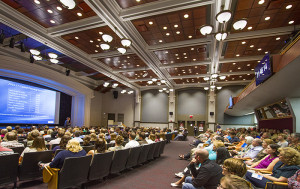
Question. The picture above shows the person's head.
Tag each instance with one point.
(39, 144)
(132, 135)
(295, 137)
(152, 137)
(11, 136)
(60, 133)
(119, 140)
(100, 145)
(267, 142)
(233, 182)
(113, 136)
(64, 141)
(257, 142)
(273, 149)
(93, 137)
(73, 146)
(142, 136)
(77, 133)
(265, 135)
(286, 131)
(242, 137)
(4, 131)
(201, 155)
(289, 156)
(68, 118)
(282, 137)
(232, 134)
(86, 140)
(49, 131)
(9, 128)
(35, 133)
(234, 166)
(217, 144)
(222, 155)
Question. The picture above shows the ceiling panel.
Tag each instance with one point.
(140, 74)
(238, 66)
(124, 4)
(124, 62)
(188, 70)
(239, 77)
(171, 27)
(190, 80)
(46, 11)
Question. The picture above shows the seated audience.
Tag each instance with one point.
(60, 134)
(283, 169)
(5, 151)
(234, 182)
(118, 144)
(268, 162)
(132, 142)
(234, 167)
(233, 138)
(151, 139)
(222, 154)
(31, 136)
(87, 141)
(37, 146)
(113, 137)
(63, 143)
(257, 147)
(262, 153)
(142, 137)
(294, 181)
(12, 141)
(77, 136)
(282, 140)
(295, 141)
(100, 147)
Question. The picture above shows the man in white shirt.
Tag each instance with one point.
(57, 140)
(132, 142)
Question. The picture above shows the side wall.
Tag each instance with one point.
(96, 109)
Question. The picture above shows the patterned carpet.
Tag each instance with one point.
(157, 174)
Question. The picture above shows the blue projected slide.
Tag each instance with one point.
(21, 103)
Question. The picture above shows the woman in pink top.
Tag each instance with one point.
(268, 162)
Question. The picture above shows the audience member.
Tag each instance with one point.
(11, 141)
(234, 167)
(118, 144)
(234, 182)
(132, 142)
(295, 141)
(37, 146)
(282, 140)
(60, 134)
(100, 147)
(142, 137)
(294, 181)
(5, 151)
(63, 143)
(257, 147)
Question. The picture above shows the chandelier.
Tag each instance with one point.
(69, 4)
(154, 80)
(213, 80)
(165, 90)
(108, 38)
(36, 55)
(223, 17)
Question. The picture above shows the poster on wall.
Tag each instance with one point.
(181, 125)
(201, 125)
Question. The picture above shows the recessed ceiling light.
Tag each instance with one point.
(261, 2)
(96, 51)
(91, 41)
(239, 68)
(138, 0)
(97, 45)
(230, 70)
(184, 53)
(258, 61)
(244, 42)
(278, 38)
(59, 8)
(237, 55)
(267, 18)
(266, 52)
(100, 33)
(166, 52)
(190, 36)
(178, 32)
(79, 14)
(248, 64)
(76, 37)
(291, 22)
(185, 57)
(165, 27)
(175, 26)
(192, 49)
(259, 49)
(167, 34)
(150, 22)
(52, 21)
(37, 2)
(186, 16)
(176, 54)
(138, 65)
(251, 46)
(244, 79)
(194, 59)
(160, 41)
(289, 6)
(233, 63)
(232, 78)
(50, 11)
(252, 69)
(178, 58)
(240, 76)
(249, 28)
(248, 74)
(172, 62)
(98, 39)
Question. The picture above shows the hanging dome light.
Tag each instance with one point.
(160, 90)
(212, 86)
(206, 88)
(219, 88)
(214, 76)
(223, 16)
(37, 57)
(126, 42)
(163, 81)
(206, 78)
(34, 52)
(154, 79)
(220, 36)
(52, 55)
(107, 38)
(206, 29)
(222, 77)
(69, 4)
(164, 89)
(104, 46)
(114, 85)
(54, 61)
(149, 82)
(240, 24)
(121, 50)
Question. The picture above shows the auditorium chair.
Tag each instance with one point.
(119, 161)
(100, 166)
(276, 185)
(53, 146)
(157, 149)
(9, 169)
(108, 145)
(162, 147)
(169, 137)
(133, 158)
(29, 168)
(88, 148)
(18, 150)
(144, 154)
(74, 173)
(151, 152)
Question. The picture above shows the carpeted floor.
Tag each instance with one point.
(157, 174)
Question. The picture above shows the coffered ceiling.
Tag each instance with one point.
(166, 42)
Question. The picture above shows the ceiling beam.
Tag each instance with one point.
(240, 59)
(184, 64)
(132, 69)
(160, 7)
(110, 54)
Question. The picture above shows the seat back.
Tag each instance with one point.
(162, 147)
(29, 168)
(157, 149)
(9, 168)
(151, 151)
(133, 158)
(119, 161)
(169, 137)
(108, 145)
(74, 171)
(18, 150)
(144, 153)
(100, 165)
(88, 148)
(53, 146)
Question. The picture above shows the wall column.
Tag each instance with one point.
(137, 108)
(211, 107)
(172, 105)
(295, 110)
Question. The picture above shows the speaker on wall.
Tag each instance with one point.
(211, 113)
(171, 113)
(115, 93)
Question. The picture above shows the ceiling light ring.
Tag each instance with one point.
(206, 29)
(240, 24)
(69, 4)
(227, 14)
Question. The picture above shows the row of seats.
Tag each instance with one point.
(98, 167)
